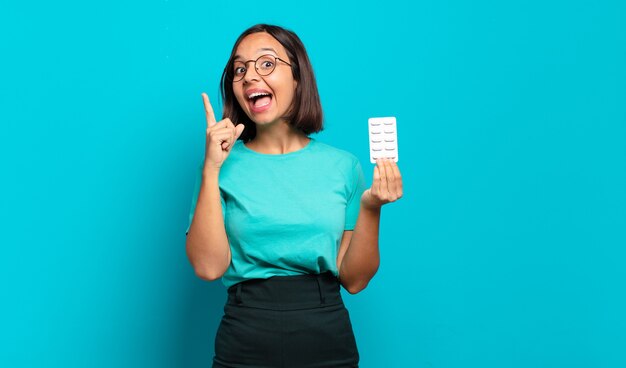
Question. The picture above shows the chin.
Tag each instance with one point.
(265, 120)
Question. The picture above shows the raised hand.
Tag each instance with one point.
(386, 186)
(220, 137)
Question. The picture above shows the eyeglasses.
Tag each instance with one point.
(264, 65)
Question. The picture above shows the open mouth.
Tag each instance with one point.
(260, 101)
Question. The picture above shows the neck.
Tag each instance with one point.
(278, 138)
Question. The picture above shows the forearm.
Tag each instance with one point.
(207, 244)
(362, 258)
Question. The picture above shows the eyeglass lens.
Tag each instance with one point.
(264, 66)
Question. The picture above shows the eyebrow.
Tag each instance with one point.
(261, 49)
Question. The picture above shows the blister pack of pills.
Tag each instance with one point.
(383, 135)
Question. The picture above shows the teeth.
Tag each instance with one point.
(255, 94)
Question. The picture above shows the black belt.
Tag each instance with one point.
(287, 292)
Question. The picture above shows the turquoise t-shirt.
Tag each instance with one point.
(285, 214)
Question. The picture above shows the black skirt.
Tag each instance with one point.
(286, 321)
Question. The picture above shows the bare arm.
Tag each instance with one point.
(359, 257)
(207, 244)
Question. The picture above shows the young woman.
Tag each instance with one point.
(280, 217)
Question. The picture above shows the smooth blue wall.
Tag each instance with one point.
(507, 249)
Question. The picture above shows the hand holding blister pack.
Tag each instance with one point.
(383, 135)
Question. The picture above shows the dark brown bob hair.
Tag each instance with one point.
(305, 113)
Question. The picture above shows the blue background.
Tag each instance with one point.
(507, 249)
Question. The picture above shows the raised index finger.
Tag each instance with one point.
(208, 109)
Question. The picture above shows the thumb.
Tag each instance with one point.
(238, 130)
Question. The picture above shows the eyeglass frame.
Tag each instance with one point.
(245, 64)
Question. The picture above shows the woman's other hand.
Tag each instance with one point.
(386, 186)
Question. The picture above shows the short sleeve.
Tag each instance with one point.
(194, 198)
(357, 185)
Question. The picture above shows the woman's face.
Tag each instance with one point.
(279, 84)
